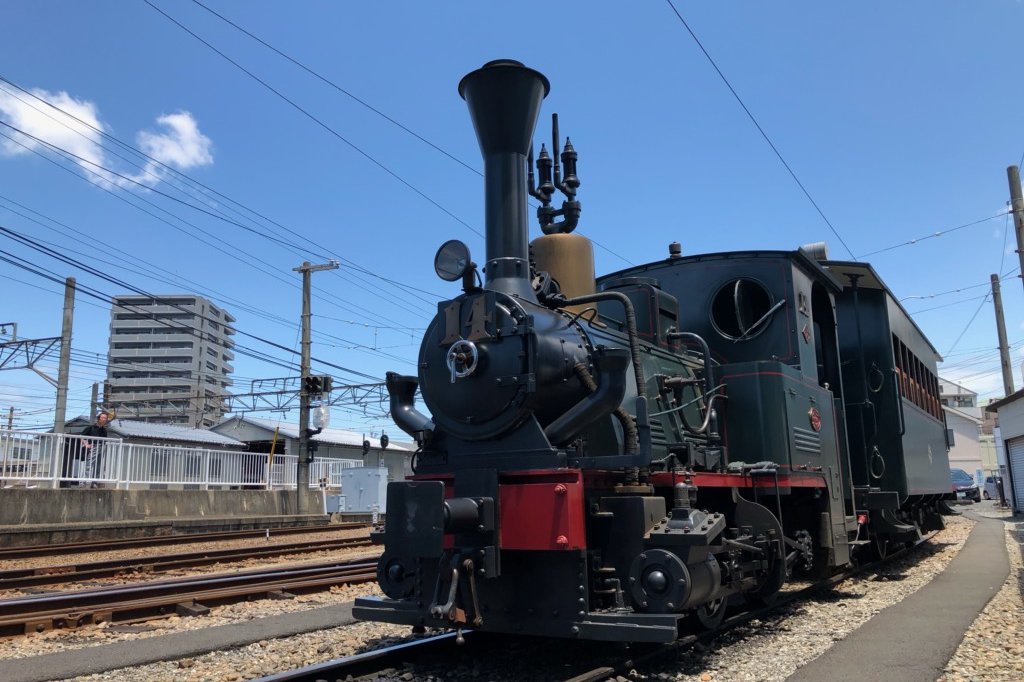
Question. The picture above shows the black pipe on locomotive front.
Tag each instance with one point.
(504, 100)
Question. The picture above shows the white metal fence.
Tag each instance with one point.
(63, 460)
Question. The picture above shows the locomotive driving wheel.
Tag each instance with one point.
(711, 614)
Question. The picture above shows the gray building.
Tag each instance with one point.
(261, 434)
(169, 359)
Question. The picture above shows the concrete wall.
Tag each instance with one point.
(28, 506)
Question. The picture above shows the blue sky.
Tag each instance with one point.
(899, 118)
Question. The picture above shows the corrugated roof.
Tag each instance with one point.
(329, 436)
(126, 428)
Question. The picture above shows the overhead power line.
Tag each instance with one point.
(265, 267)
(202, 190)
(319, 122)
(947, 305)
(340, 89)
(319, 76)
(129, 264)
(761, 130)
(1008, 275)
(933, 235)
(969, 323)
(118, 282)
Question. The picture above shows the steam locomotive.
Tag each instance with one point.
(606, 456)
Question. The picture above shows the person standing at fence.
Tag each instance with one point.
(94, 448)
(73, 462)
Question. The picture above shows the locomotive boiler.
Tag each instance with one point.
(606, 456)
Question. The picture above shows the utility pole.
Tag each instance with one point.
(65, 355)
(94, 404)
(10, 418)
(1017, 206)
(1004, 349)
(302, 470)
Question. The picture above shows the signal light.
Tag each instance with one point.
(312, 385)
(317, 385)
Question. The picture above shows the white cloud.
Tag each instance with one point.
(182, 146)
(55, 127)
(178, 144)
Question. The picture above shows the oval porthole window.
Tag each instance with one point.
(739, 308)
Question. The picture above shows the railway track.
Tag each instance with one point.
(184, 596)
(378, 662)
(432, 650)
(20, 578)
(130, 543)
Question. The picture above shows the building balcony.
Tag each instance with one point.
(146, 336)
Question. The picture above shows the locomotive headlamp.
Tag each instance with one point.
(452, 261)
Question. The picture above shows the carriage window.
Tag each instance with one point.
(740, 309)
(917, 383)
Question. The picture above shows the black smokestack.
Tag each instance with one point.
(504, 101)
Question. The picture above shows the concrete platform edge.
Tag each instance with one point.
(174, 646)
(913, 639)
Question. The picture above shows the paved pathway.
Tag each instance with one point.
(177, 645)
(913, 640)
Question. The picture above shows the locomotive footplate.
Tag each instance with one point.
(627, 626)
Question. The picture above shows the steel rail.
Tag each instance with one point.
(161, 598)
(149, 541)
(50, 575)
(394, 657)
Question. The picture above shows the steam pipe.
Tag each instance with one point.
(402, 391)
(630, 437)
(631, 332)
(610, 364)
(709, 378)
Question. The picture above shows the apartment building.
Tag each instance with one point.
(169, 359)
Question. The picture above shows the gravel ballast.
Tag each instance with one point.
(993, 647)
(770, 649)
(65, 640)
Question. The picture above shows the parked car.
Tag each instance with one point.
(964, 485)
(991, 489)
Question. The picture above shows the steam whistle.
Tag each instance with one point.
(546, 164)
(546, 189)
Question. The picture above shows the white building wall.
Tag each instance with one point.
(966, 451)
(1011, 426)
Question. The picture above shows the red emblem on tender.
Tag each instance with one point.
(815, 418)
(806, 333)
